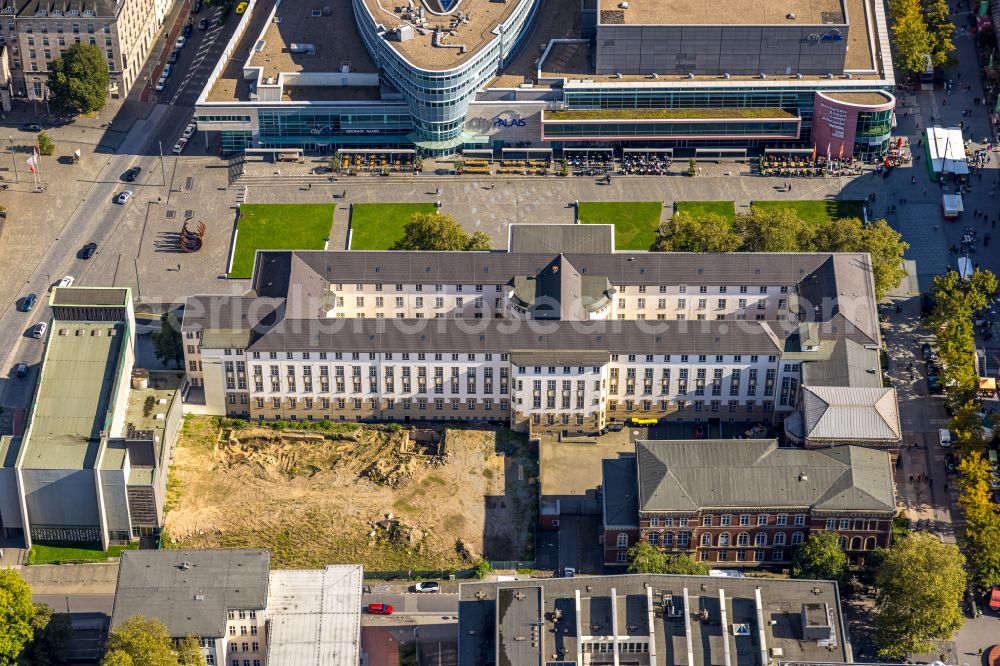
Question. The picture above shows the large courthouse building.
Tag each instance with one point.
(559, 333)
(446, 76)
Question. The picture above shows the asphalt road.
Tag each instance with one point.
(94, 220)
(403, 603)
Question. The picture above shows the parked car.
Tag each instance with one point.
(934, 386)
(38, 330)
(31, 127)
(130, 175)
(161, 84)
(88, 250)
(380, 609)
(21, 369)
(203, 24)
(180, 145)
(29, 302)
(568, 572)
(427, 586)
(168, 69)
(181, 41)
(187, 30)
(950, 462)
(994, 601)
(196, 8)
(189, 131)
(123, 197)
(174, 56)
(67, 281)
(240, 8)
(944, 437)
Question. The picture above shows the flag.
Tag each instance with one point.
(841, 156)
(828, 150)
(31, 164)
(899, 142)
(814, 151)
(887, 160)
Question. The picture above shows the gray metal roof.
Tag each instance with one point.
(492, 631)
(315, 617)
(621, 495)
(842, 362)
(850, 413)
(190, 590)
(557, 238)
(109, 296)
(682, 475)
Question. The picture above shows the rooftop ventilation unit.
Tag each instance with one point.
(790, 17)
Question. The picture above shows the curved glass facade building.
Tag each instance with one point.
(437, 70)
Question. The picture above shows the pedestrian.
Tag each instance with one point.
(911, 478)
(946, 487)
(980, 652)
(178, 266)
(925, 193)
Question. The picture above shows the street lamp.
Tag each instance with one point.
(13, 159)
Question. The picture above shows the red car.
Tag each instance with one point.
(380, 609)
(995, 598)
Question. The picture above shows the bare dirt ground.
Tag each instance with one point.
(356, 494)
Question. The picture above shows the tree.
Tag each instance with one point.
(910, 36)
(941, 29)
(967, 426)
(956, 301)
(479, 240)
(646, 558)
(139, 642)
(886, 247)
(981, 533)
(16, 614)
(52, 633)
(685, 232)
(434, 231)
(189, 652)
(773, 230)
(45, 145)
(78, 80)
(920, 586)
(820, 557)
(843, 235)
(167, 343)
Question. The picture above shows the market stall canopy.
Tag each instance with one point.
(946, 150)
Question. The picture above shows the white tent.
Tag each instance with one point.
(946, 150)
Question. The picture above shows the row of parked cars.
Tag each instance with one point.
(934, 386)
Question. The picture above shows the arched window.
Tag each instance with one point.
(706, 539)
(622, 540)
(779, 539)
(796, 538)
(843, 542)
(743, 539)
(870, 543)
(668, 539)
(856, 543)
(654, 538)
(760, 539)
(724, 539)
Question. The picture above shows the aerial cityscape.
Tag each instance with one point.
(499, 333)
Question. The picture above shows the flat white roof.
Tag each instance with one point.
(946, 149)
(315, 617)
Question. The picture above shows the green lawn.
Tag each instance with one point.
(636, 222)
(379, 226)
(55, 553)
(697, 208)
(816, 211)
(279, 227)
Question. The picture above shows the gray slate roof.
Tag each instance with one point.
(503, 335)
(575, 238)
(190, 600)
(688, 475)
(850, 413)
